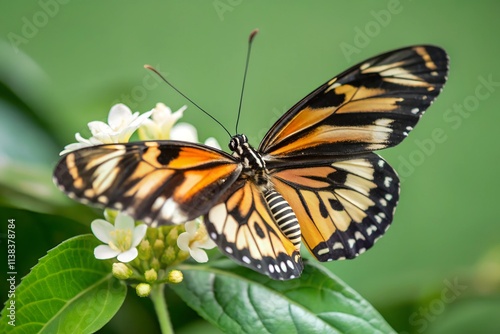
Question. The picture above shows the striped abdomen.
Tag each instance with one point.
(284, 216)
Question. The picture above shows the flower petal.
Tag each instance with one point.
(139, 233)
(199, 255)
(98, 128)
(124, 222)
(207, 243)
(102, 230)
(191, 227)
(183, 241)
(103, 252)
(128, 256)
(184, 131)
(118, 115)
(212, 142)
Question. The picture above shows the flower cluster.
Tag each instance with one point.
(145, 254)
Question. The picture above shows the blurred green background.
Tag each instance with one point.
(65, 63)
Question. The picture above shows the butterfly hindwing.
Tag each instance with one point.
(243, 227)
(162, 182)
(343, 205)
(371, 106)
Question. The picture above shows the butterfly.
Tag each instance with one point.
(313, 180)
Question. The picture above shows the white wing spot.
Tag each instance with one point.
(351, 242)
(278, 270)
(338, 245)
(381, 163)
(290, 264)
(415, 111)
(388, 197)
(213, 235)
(158, 203)
(89, 193)
(359, 236)
(246, 259)
(387, 181)
(170, 211)
(378, 219)
(271, 268)
(229, 250)
(371, 228)
(102, 199)
(283, 267)
(383, 202)
(323, 251)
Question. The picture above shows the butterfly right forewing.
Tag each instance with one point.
(373, 105)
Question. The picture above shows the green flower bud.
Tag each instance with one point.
(152, 234)
(145, 250)
(143, 289)
(110, 215)
(121, 271)
(172, 236)
(155, 264)
(175, 276)
(169, 256)
(158, 247)
(151, 275)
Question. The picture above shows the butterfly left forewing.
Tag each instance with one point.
(343, 205)
(160, 182)
(371, 106)
(243, 227)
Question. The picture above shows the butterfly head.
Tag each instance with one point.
(238, 144)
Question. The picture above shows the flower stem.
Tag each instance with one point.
(158, 297)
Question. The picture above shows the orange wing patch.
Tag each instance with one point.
(158, 182)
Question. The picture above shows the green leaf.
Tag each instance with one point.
(68, 291)
(239, 300)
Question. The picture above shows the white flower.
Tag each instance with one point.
(121, 239)
(194, 240)
(187, 132)
(121, 125)
(161, 123)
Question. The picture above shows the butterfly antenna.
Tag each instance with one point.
(250, 40)
(151, 68)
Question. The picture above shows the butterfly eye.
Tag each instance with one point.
(233, 144)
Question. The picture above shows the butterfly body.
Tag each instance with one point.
(254, 166)
(313, 180)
